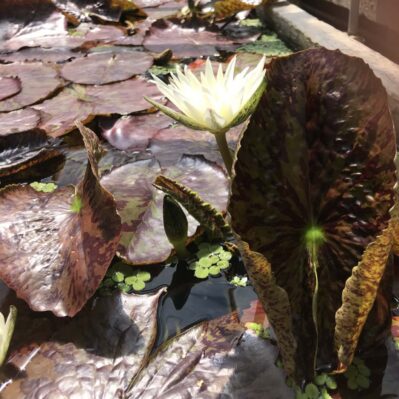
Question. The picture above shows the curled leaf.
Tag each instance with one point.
(358, 297)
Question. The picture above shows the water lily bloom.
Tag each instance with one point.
(6, 331)
(214, 103)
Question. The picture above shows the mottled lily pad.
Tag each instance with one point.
(83, 103)
(94, 355)
(56, 247)
(215, 359)
(9, 87)
(108, 67)
(38, 81)
(313, 185)
(143, 239)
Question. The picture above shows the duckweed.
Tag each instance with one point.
(43, 187)
(239, 281)
(125, 279)
(259, 330)
(211, 260)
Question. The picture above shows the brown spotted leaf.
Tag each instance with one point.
(38, 81)
(85, 102)
(107, 67)
(275, 301)
(358, 297)
(313, 184)
(215, 359)
(94, 355)
(56, 247)
(139, 203)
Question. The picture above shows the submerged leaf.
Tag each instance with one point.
(53, 257)
(318, 155)
(139, 203)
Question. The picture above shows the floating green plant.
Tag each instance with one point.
(318, 389)
(212, 259)
(358, 375)
(239, 281)
(122, 277)
(43, 187)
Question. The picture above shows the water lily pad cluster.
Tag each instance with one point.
(358, 375)
(124, 278)
(212, 259)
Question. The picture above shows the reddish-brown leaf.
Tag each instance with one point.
(56, 247)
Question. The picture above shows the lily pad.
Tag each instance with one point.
(108, 67)
(215, 359)
(143, 239)
(84, 102)
(135, 132)
(9, 87)
(186, 42)
(314, 182)
(19, 121)
(38, 81)
(55, 256)
(95, 354)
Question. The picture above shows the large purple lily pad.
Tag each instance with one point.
(94, 355)
(107, 67)
(84, 102)
(18, 121)
(38, 81)
(55, 247)
(143, 240)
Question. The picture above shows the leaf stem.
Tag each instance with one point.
(224, 151)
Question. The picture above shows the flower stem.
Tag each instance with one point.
(225, 151)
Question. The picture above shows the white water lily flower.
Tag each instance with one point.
(213, 102)
(6, 331)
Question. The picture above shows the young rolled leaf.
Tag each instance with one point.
(317, 159)
(208, 216)
(358, 297)
(55, 247)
